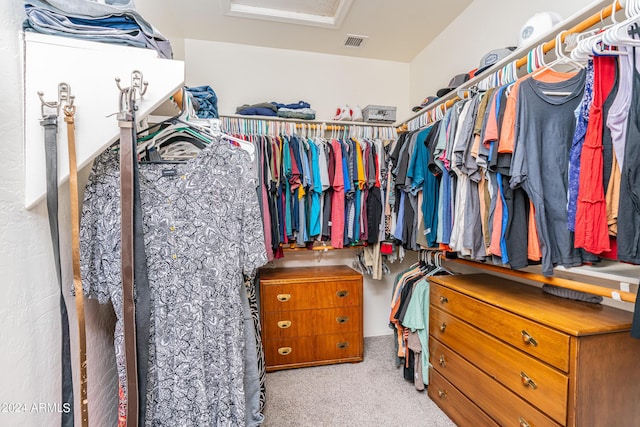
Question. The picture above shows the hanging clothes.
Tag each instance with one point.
(202, 229)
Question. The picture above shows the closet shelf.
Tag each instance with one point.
(584, 271)
(90, 69)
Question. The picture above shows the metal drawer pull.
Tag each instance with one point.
(443, 326)
(343, 344)
(442, 394)
(284, 350)
(342, 319)
(284, 324)
(443, 299)
(443, 363)
(528, 382)
(343, 293)
(523, 423)
(284, 297)
(528, 339)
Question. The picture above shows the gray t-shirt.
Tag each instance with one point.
(545, 125)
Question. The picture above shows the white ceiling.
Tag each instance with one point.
(397, 30)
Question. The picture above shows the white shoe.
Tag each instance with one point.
(356, 114)
(345, 115)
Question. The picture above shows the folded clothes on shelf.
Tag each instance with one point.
(95, 22)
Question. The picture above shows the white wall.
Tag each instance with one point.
(29, 293)
(483, 26)
(30, 356)
(242, 74)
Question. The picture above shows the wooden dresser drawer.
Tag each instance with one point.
(337, 320)
(531, 379)
(338, 294)
(284, 324)
(304, 323)
(531, 337)
(461, 410)
(505, 407)
(337, 346)
(289, 351)
(304, 296)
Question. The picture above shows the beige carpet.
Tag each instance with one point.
(370, 393)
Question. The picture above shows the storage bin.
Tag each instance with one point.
(379, 113)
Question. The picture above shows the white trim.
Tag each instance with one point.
(269, 14)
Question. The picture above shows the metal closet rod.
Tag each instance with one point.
(308, 122)
(546, 47)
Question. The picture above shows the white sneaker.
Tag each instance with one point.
(356, 114)
(345, 115)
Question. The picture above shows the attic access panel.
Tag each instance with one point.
(316, 13)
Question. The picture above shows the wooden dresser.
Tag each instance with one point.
(311, 316)
(504, 353)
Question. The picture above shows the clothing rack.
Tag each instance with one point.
(277, 125)
(428, 116)
(425, 116)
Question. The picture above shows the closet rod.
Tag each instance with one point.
(555, 281)
(304, 122)
(548, 46)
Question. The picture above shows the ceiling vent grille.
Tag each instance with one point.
(355, 41)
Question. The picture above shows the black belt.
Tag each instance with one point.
(50, 124)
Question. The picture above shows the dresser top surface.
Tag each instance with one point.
(308, 273)
(573, 317)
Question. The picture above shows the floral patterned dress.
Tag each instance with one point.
(202, 231)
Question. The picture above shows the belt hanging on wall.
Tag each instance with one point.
(69, 117)
(131, 251)
(49, 122)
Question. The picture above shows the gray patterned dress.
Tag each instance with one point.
(202, 229)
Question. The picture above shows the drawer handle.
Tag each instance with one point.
(443, 299)
(284, 350)
(528, 339)
(343, 293)
(284, 297)
(443, 327)
(442, 394)
(342, 319)
(343, 344)
(443, 363)
(528, 382)
(524, 423)
(284, 324)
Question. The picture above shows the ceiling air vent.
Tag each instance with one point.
(354, 40)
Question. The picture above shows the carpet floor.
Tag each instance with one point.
(370, 393)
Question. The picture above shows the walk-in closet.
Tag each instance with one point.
(320, 213)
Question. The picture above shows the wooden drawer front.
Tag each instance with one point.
(288, 351)
(461, 410)
(547, 388)
(287, 297)
(347, 293)
(550, 345)
(338, 346)
(506, 408)
(337, 320)
(285, 324)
